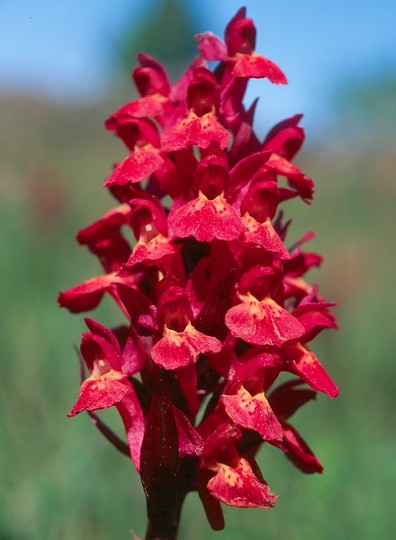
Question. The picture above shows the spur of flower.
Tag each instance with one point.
(214, 304)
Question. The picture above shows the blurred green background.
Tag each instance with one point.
(60, 479)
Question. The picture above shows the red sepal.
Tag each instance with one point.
(87, 295)
(285, 138)
(151, 77)
(211, 47)
(304, 363)
(285, 400)
(190, 442)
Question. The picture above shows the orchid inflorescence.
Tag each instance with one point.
(215, 305)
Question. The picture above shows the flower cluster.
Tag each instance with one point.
(215, 305)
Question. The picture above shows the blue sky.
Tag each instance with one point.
(61, 48)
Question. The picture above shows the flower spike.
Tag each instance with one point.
(212, 354)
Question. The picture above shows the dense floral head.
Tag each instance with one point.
(214, 302)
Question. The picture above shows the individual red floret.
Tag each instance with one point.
(152, 81)
(181, 342)
(240, 37)
(244, 396)
(151, 78)
(109, 385)
(208, 216)
(103, 238)
(200, 127)
(142, 138)
(259, 319)
(235, 481)
(148, 221)
(238, 50)
(257, 209)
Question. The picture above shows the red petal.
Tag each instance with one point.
(314, 317)
(304, 363)
(287, 398)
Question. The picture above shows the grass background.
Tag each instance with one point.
(60, 480)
